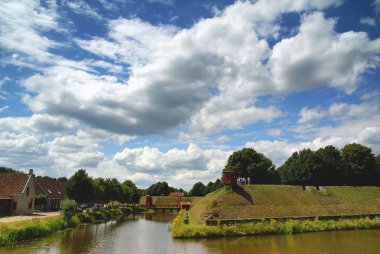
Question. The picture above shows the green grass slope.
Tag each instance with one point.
(263, 201)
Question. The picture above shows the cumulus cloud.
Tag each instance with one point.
(37, 124)
(368, 21)
(318, 55)
(310, 115)
(175, 166)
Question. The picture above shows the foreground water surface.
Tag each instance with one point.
(150, 234)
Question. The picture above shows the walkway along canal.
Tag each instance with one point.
(149, 234)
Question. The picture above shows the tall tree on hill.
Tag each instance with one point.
(80, 187)
(198, 190)
(329, 169)
(359, 164)
(249, 163)
(300, 168)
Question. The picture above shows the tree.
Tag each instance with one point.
(112, 190)
(300, 168)
(197, 190)
(131, 193)
(210, 187)
(98, 190)
(158, 189)
(359, 164)
(80, 187)
(249, 163)
(329, 169)
(8, 170)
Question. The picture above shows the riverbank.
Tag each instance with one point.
(279, 209)
(183, 227)
(12, 233)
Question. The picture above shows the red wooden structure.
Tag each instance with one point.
(229, 178)
(148, 201)
(185, 205)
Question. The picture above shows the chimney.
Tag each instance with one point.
(30, 171)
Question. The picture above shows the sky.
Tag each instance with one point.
(166, 90)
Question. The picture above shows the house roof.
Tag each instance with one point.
(176, 194)
(12, 184)
(50, 188)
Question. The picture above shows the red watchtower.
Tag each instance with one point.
(229, 178)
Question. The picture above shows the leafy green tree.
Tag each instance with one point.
(249, 163)
(359, 164)
(132, 191)
(98, 190)
(158, 189)
(80, 187)
(40, 199)
(300, 168)
(210, 187)
(8, 170)
(112, 190)
(329, 168)
(197, 190)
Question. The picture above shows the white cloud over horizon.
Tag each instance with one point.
(139, 79)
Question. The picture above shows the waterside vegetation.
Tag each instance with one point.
(183, 227)
(13, 233)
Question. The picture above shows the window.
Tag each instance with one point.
(14, 205)
(27, 191)
(30, 205)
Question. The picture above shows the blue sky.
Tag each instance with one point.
(165, 90)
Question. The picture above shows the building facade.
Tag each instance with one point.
(17, 193)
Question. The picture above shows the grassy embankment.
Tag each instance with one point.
(278, 202)
(17, 232)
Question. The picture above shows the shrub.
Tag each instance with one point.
(68, 208)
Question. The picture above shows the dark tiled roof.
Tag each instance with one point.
(12, 183)
(50, 188)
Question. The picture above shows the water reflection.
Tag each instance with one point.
(149, 234)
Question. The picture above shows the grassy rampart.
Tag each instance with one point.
(273, 209)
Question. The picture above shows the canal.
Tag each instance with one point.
(150, 234)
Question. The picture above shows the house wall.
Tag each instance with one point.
(25, 201)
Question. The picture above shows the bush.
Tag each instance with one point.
(68, 208)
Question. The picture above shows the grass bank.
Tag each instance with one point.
(269, 201)
(183, 227)
(279, 209)
(13, 233)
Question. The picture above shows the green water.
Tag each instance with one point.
(150, 235)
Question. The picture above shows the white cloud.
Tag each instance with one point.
(176, 166)
(310, 115)
(318, 55)
(22, 24)
(368, 21)
(39, 125)
(81, 7)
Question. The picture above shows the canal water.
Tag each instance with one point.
(150, 234)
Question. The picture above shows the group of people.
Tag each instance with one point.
(243, 181)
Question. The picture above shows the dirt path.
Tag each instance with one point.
(28, 217)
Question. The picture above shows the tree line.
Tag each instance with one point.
(354, 164)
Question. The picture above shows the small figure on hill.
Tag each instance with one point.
(249, 180)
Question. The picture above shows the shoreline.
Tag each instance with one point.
(182, 227)
(18, 232)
